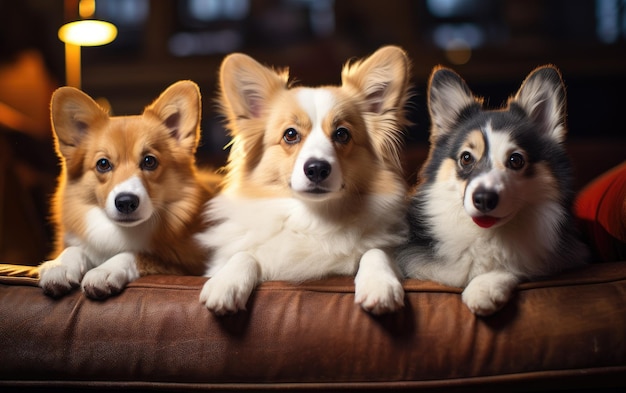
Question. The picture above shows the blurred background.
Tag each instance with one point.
(493, 44)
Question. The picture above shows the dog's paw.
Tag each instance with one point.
(230, 287)
(111, 277)
(57, 279)
(223, 296)
(378, 294)
(377, 287)
(380, 298)
(488, 293)
(101, 283)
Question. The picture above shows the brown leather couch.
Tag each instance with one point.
(566, 332)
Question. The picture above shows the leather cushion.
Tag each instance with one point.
(562, 332)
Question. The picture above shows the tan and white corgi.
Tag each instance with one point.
(314, 185)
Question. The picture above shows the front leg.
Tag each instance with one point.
(111, 277)
(59, 276)
(487, 293)
(229, 289)
(377, 286)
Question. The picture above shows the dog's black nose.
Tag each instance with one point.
(126, 203)
(485, 201)
(317, 170)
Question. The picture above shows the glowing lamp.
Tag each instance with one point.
(88, 33)
(83, 33)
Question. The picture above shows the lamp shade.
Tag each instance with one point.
(88, 33)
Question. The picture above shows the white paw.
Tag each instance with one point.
(223, 297)
(101, 283)
(379, 295)
(229, 289)
(57, 279)
(111, 277)
(377, 287)
(488, 293)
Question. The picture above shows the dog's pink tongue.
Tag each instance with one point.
(485, 221)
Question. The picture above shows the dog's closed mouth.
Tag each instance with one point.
(485, 221)
(317, 190)
(127, 220)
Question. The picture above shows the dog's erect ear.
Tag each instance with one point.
(448, 97)
(246, 86)
(542, 96)
(383, 79)
(179, 108)
(73, 114)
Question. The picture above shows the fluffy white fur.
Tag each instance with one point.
(286, 239)
(466, 252)
(105, 257)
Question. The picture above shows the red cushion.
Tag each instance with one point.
(601, 210)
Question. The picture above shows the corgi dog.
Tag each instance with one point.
(493, 206)
(130, 199)
(313, 185)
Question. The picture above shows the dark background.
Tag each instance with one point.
(162, 41)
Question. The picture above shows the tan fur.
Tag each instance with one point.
(546, 182)
(447, 171)
(475, 143)
(85, 133)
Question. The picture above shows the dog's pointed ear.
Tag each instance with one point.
(382, 78)
(179, 108)
(246, 86)
(542, 96)
(448, 97)
(73, 114)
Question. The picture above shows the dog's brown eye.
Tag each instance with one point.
(466, 158)
(516, 161)
(103, 165)
(149, 163)
(342, 135)
(291, 136)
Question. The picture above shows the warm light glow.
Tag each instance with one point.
(86, 8)
(72, 65)
(88, 33)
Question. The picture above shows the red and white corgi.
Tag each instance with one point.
(313, 185)
(130, 199)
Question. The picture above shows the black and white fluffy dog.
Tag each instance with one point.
(493, 204)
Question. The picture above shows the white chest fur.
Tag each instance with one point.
(291, 242)
(103, 239)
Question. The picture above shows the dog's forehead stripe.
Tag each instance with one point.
(317, 103)
(500, 145)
